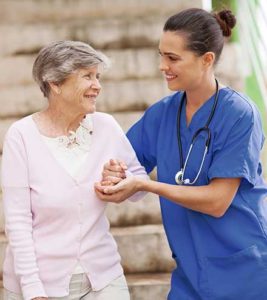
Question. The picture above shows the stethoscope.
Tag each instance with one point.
(179, 177)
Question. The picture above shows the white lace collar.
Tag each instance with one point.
(81, 138)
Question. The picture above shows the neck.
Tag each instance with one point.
(55, 121)
(197, 96)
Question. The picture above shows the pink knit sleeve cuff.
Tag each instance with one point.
(33, 290)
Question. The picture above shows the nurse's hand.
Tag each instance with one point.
(119, 192)
(114, 171)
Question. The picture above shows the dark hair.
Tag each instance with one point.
(204, 31)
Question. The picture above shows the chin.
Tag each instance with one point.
(90, 110)
(174, 86)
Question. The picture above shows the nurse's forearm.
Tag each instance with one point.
(212, 199)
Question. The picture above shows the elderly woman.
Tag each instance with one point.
(59, 245)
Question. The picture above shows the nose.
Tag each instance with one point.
(96, 84)
(162, 65)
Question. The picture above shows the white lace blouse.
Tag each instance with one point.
(71, 151)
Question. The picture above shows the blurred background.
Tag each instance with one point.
(127, 31)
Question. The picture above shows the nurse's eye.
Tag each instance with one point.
(173, 58)
(98, 76)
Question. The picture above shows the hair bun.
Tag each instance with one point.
(226, 20)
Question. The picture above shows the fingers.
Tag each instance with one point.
(115, 198)
(111, 180)
(99, 187)
(117, 162)
(106, 189)
(115, 168)
(106, 182)
(108, 174)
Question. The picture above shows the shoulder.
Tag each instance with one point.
(165, 102)
(104, 119)
(163, 106)
(238, 105)
(20, 127)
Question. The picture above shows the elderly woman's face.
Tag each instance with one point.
(80, 90)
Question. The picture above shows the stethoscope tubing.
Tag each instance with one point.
(179, 177)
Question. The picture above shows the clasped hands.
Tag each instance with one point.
(115, 186)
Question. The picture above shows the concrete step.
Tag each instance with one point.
(3, 242)
(1, 290)
(4, 125)
(102, 34)
(2, 220)
(121, 30)
(126, 64)
(142, 286)
(229, 69)
(61, 10)
(149, 286)
(142, 212)
(139, 247)
(126, 119)
(123, 95)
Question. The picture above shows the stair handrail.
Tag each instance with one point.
(252, 18)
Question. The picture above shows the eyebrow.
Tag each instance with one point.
(169, 53)
(90, 73)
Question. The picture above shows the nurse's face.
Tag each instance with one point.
(183, 69)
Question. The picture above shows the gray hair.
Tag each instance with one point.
(58, 60)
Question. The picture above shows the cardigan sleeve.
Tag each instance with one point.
(18, 215)
(127, 154)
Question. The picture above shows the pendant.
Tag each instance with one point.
(179, 177)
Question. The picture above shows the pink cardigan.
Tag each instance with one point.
(54, 221)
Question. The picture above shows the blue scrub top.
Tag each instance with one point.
(217, 258)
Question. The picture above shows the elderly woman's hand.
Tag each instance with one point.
(119, 192)
(113, 172)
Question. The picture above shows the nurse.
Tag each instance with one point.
(205, 140)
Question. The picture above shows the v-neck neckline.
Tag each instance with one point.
(199, 111)
(78, 178)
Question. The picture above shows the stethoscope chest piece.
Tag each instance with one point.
(179, 177)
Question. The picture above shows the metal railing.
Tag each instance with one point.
(250, 33)
(252, 28)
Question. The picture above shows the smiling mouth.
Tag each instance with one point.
(170, 77)
(91, 97)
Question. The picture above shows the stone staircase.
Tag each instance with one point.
(127, 32)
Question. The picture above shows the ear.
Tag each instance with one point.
(208, 59)
(55, 87)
